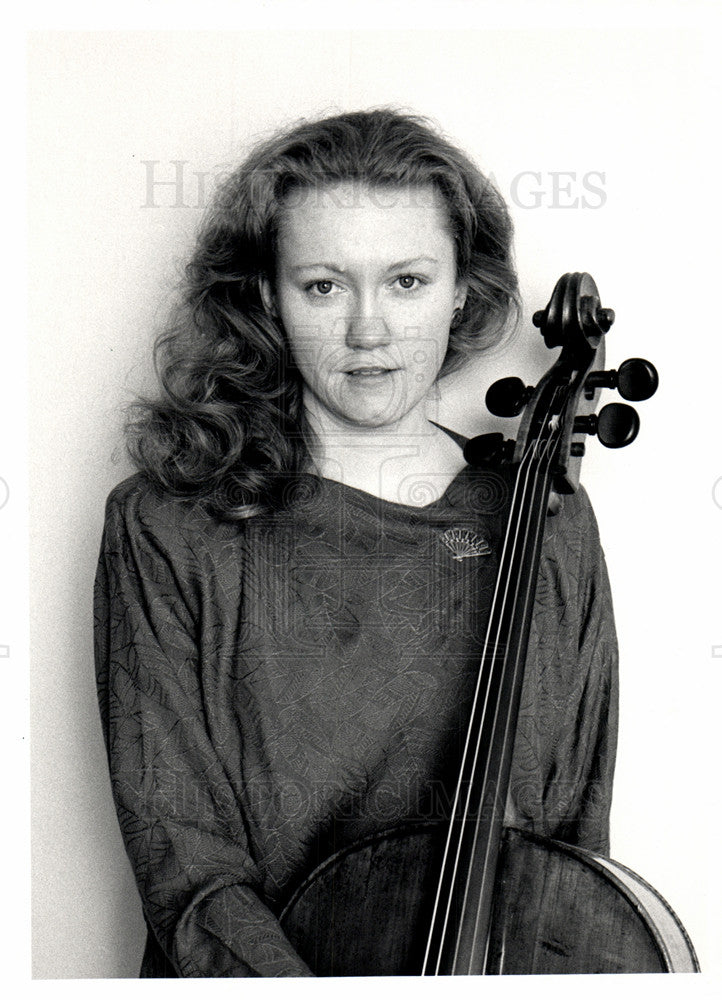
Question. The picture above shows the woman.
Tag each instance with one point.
(286, 630)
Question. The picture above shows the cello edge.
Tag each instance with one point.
(684, 953)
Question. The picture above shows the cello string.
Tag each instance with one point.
(504, 561)
(497, 701)
(498, 704)
(506, 748)
(518, 515)
(450, 836)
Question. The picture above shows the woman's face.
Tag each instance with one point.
(366, 288)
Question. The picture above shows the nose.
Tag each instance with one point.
(366, 328)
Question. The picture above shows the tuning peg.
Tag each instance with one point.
(592, 314)
(488, 449)
(616, 425)
(636, 379)
(552, 336)
(507, 397)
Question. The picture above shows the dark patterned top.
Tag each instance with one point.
(273, 690)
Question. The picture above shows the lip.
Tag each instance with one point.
(369, 371)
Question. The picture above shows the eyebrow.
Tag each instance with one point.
(397, 265)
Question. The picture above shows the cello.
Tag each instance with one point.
(482, 898)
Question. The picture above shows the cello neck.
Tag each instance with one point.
(462, 911)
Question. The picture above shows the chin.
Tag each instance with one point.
(370, 420)
(375, 413)
(368, 413)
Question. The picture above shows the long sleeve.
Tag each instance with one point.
(179, 815)
(598, 660)
(564, 753)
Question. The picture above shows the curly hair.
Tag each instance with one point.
(229, 428)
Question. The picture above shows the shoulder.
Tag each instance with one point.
(135, 507)
(576, 514)
(136, 497)
(572, 552)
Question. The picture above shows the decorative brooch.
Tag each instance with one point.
(465, 544)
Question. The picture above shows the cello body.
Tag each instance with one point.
(557, 909)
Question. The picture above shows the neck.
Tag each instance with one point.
(410, 462)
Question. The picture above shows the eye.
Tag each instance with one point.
(409, 281)
(323, 287)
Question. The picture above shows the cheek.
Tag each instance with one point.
(307, 316)
(315, 354)
(432, 313)
(425, 361)
(306, 333)
(426, 337)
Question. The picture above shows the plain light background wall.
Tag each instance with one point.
(632, 105)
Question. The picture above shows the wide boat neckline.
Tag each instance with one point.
(373, 499)
(460, 439)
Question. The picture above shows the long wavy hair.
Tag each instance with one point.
(228, 427)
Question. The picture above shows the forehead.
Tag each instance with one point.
(348, 218)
